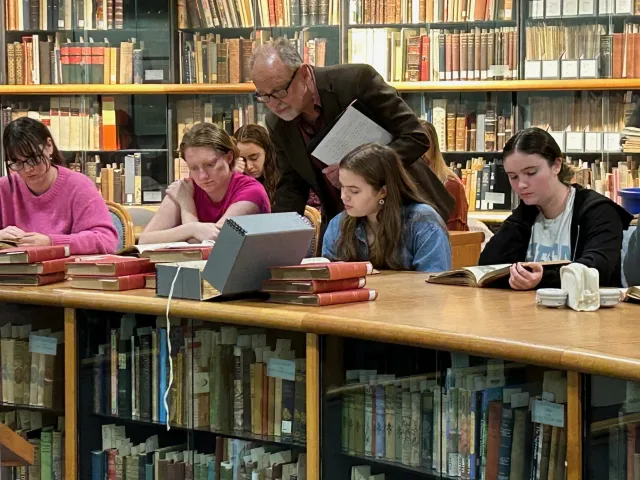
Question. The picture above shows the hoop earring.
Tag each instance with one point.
(381, 201)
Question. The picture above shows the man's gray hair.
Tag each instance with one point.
(281, 47)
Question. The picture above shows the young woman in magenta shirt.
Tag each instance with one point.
(43, 203)
(195, 209)
(385, 219)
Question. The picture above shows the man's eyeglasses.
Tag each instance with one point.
(17, 165)
(278, 94)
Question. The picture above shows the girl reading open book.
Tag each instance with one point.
(385, 221)
(555, 220)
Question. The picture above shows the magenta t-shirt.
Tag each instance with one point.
(241, 188)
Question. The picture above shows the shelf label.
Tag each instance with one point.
(623, 6)
(498, 71)
(507, 393)
(559, 138)
(592, 141)
(575, 142)
(153, 75)
(537, 9)
(284, 369)
(532, 69)
(570, 8)
(519, 399)
(548, 413)
(569, 68)
(495, 373)
(586, 7)
(550, 69)
(286, 426)
(553, 9)
(588, 68)
(43, 345)
(605, 7)
(611, 142)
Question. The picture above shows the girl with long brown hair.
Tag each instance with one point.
(194, 209)
(386, 221)
(435, 161)
(257, 156)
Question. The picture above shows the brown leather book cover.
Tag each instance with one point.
(323, 271)
(455, 56)
(234, 60)
(448, 63)
(32, 280)
(630, 55)
(464, 56)
(311, 286)
(109, 266)
(425, 58)
(618, 51)
(33, 254)
(325, 299)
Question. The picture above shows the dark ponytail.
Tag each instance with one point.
(534, 140)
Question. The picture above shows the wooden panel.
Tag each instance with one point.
(313, 407)
(15, 451)
(246, 88)
(409, 311)
(70, 395)
(519, 85)
(465, 248)
(574, 427)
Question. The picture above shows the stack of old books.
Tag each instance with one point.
(33, 266)
(109, 272)
(320, 284)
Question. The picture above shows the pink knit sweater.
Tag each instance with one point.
(71, 212)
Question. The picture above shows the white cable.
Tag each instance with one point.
(166, 392)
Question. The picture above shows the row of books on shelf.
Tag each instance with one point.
(586, 8)
(46, 435)
(31, 363)
(224, 381)
(63, 15)
(43, 60)
(607, 178)
(362, 12)
(78, 123)
(207, 58)
(581, 51)
(242, 13)
(478, 425)
(229, 459)
(411, 54)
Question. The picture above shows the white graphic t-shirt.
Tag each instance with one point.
(551, 239)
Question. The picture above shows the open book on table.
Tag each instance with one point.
(480, 276)
(166, 246)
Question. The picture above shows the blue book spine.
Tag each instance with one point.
(506, 435)
(380, 422)
(97, 465)
(148, 471)
(211, 470)
(162, 372)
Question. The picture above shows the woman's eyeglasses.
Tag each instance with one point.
(17, 165)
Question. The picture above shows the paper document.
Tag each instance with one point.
(351, 130)
(159, 246)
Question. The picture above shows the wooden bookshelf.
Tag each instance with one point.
(248, 88)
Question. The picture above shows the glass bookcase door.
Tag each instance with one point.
(189, 399)
(119, 141)
(450, 415)
(32, 385)
(106, 42)
(589, 127)
(611, 420)
(472, 129)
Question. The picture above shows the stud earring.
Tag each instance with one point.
(381, 201)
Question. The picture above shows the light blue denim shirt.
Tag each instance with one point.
(424, 243)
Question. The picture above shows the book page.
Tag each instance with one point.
(483, 271)
(158, 246)
(350, 131)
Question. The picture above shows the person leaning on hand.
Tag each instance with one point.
(304, 100)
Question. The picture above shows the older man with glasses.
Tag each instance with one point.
(305, 100)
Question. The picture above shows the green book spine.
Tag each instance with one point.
(46, 458)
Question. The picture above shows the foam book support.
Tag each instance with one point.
(247, 247)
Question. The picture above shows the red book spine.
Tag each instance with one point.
(425, 60)
(131, 282)
(42, 254)
(493, 440)
(50, 278)
(339, 271)
(346, 296)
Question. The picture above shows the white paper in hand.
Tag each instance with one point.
(351, 130)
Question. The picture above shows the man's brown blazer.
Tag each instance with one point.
(338, 87)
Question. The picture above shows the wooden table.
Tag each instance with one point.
(488, 322)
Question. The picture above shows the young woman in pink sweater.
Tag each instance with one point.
(43, 203)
